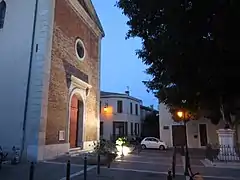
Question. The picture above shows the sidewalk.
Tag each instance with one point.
(109, 174)
(42, 171)
(218, 164)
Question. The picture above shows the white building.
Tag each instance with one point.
(120, 115)
(199, 132)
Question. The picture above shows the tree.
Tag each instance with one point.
(151, 124)
(191, 51)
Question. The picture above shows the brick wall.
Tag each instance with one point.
(68, 25)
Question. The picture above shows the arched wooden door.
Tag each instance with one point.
(73, 122)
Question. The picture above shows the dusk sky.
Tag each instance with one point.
(120, 66)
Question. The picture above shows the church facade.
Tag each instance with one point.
(54, 60)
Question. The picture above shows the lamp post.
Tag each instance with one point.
(182, 115)
(122, 155)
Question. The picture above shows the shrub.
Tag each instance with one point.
(105, 147)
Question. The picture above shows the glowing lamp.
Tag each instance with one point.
(180, 114)
(105, 109)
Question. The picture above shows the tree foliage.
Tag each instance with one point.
(191, 49)
(151, 124)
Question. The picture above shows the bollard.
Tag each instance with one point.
(68, 170)
(31, 173)
(85, 169)
(108, 161)
(110, 158)
(139, 148)
(169, 176)
(174, 162)
(98, 164)
(122, 155)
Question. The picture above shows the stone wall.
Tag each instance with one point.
(68, 26)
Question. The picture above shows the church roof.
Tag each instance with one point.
(89, 8)
(120, 95)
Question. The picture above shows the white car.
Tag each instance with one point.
(153, 143)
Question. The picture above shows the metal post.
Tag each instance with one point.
(31, 173)
(174, 162)
(85, 169)
(108, 160)
(1, 157)
(169, 176)
(139, 146)
(98, 164)
(122, 151)
(68, 170)
(187, 162)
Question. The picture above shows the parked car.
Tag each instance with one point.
(153, 143)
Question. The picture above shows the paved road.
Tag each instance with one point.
(110, 174)
(159, 162)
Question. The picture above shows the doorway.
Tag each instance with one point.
(76, 122)
(119, 129)
(203, 134)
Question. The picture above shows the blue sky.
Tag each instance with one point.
(120, 66)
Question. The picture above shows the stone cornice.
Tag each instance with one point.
(121, 96)
(79, 83)
(87, 19)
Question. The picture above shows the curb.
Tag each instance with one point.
(208, 163)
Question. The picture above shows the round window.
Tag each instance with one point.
(80, 49)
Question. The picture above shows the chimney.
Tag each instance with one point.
(127, 91)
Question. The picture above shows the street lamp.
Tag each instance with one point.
(105, 109)
(182, 116)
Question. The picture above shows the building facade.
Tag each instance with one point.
(199, 132)
(53, 76)
(120, 115)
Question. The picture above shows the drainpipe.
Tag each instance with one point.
(29, 78)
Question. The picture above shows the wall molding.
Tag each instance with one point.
(84, 15)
